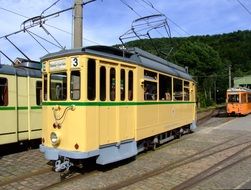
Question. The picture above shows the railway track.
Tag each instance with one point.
(42, 173)
(25, 176)
(218, 148)
(215, 169)
(182, 162)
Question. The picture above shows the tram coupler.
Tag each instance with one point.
(63, 165)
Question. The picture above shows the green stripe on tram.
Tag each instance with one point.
(19, 108)
(22, 108)
(36, 107)
(7, 108)
(111, 103)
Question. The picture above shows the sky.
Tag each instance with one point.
(105, 21)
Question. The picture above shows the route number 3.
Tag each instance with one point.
(74, 62)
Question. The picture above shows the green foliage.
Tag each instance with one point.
(208, 59)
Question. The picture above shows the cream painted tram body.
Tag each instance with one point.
(109, 104)
(20, 103)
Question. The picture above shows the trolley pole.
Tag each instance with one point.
(229, 77)
(77, 37)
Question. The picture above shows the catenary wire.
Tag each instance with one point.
(59, 29)
(147, 2)
(243, 6)
(50, 7)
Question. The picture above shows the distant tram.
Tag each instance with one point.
(238, 101)
(110, 104)
(20, 102)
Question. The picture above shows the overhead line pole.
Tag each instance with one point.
(229, 76)
(77, 40)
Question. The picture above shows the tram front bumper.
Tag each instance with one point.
(51, 153)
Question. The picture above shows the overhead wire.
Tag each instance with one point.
(59, 29)
(37, 41)
(53, 4)
(244, 6)
(171, 20)
(130, 7)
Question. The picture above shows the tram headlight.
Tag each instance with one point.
(54, 138)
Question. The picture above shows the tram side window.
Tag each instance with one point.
(244, 98)
(112, 84)
(186, 91)
(150, 90)
(122, 85)
(150, 75)
(165, 88)
(102, 83)
(233, 98)
(75, 85)
(3, 92)
(38, 93)
(58, 86)
(130, 86)
(177, 89)
(249, 98)
(45, 87)
(91, 79)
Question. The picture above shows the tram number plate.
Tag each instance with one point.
(74, 62)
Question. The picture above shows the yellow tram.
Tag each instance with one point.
(109, 104)
(20, 102)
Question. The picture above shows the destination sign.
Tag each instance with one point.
(57, 65)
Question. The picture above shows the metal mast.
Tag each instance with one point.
(77, 37)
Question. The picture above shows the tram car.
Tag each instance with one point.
(238, 101)
(20, 103)
(110, 104)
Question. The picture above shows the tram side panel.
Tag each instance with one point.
(8, 112)
(35, 112)
(22, 108)
(238, 102)
(245, 103)
(155, 116)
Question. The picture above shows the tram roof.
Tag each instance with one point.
(19, 71)
(133, 55)
(239, 89)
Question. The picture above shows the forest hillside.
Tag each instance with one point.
(208, 59)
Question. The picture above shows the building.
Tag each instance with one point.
(243, 81)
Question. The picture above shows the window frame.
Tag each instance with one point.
(91, 80)
(39, 93)
(112, 84)
(75, 89)
(5, 92)
(65, 95)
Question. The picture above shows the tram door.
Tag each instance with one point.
(108, 109)
(117, 116)
(126, 111)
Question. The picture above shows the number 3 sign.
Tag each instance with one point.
(74, 62)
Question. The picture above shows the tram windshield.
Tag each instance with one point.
(233, 98)
(58, 86)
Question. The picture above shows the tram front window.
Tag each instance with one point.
(58, 86)
(233, 98)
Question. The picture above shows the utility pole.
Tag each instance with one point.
(229, 76)
(77, 37)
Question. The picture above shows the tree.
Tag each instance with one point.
(204, 64)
